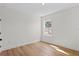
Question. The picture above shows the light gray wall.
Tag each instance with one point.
(0, 27)
(65, 28)
(18, 28)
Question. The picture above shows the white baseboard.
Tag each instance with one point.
(19, 45)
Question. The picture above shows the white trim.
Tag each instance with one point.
(19, 45)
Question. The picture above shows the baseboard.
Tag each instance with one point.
(21, 45)
(60, 46)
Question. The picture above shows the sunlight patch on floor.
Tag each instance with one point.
(58, 49)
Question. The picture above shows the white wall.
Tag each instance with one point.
(18, 28)
(0, 28)
(65, 28)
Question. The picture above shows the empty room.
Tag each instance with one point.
(39, 29)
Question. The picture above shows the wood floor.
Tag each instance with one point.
(40, 49)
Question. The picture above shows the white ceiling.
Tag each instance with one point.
(38, 8)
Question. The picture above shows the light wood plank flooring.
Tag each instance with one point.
(40, 49)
